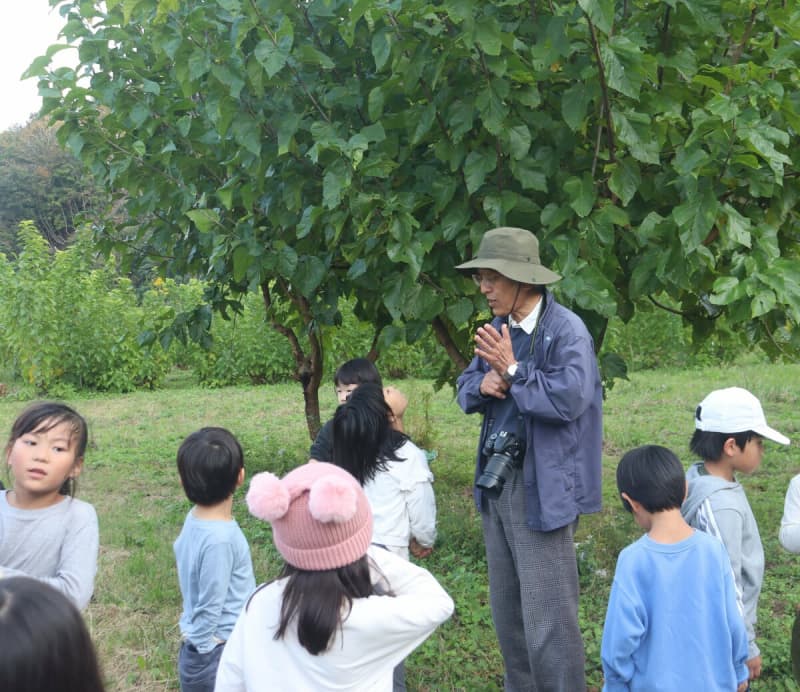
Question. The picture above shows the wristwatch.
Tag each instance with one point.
(511, 370)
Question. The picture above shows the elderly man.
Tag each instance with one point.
(535, 380)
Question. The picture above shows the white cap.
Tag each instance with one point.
(734, 410)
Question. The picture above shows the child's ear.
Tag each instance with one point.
(626, 502)
(240, 479)
(77, 467)
(730, 447)
(685, 490)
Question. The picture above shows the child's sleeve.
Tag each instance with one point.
(623, 630)
(730, 524)
(790, 523)
(420, 498)
(322, 447)
(214, 576)
(736, 625)
(77, 565)
(404, 620)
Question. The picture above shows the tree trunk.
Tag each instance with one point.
(308, 366)
(444, 338)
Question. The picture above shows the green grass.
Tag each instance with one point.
(131, 479)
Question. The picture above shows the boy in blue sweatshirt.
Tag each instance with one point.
(673, 619)
(215, 570)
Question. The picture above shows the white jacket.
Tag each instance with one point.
(402, 501)
(378, 633)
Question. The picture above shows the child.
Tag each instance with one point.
(214, 566)
(673, 621)
(790, 522)
(349, 376)
(730, 427)
(393, 471)
(398, 403)
(45, 533)
(338, 618)
(46, 647)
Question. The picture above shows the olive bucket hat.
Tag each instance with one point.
(514, 253)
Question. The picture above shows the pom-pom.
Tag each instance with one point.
(267, 498)
(332, 499)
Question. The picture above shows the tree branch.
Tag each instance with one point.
(739, 49)
(666, 307)
(604, 90)
(777, 346)
(308, 367)
(444, 338)
(664, 43)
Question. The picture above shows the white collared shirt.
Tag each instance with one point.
(528, 323)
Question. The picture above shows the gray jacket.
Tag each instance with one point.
(559, 396)
(720, 507)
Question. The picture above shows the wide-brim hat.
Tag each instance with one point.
(514, 253)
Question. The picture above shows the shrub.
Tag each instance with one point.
(245, 350)
(68, 323)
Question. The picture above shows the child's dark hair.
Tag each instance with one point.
(209, 463)
(653, 476)
(358, 371)
(321, 600)
(708, 445)
(44, 416)
(363, 438)
(46, 646)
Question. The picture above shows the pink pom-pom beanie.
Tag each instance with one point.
(320, 517)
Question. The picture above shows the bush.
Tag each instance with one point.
(424, 358)
(245, 350)
(68, 323)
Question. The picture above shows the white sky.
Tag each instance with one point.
(27, 28)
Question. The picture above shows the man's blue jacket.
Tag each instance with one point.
(559, 396)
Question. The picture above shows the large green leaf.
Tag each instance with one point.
(601, 12)
(574, 101)
(272, 56)
(310, 273)
(242, 259)
(477, 166)
(695, 217)
(488, 35)
(625, 180)
(206, 220)
(581, 194)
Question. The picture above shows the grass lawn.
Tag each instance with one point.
(131, 479)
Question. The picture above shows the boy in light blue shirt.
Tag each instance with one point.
(215, 570)
(673, 620)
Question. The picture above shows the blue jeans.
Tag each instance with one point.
(198, 672)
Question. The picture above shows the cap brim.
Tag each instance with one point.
(516, 271)
(772, 434)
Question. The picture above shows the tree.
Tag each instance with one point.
(327, 148)
(41, 182)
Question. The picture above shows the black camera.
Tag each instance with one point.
(505, 453)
